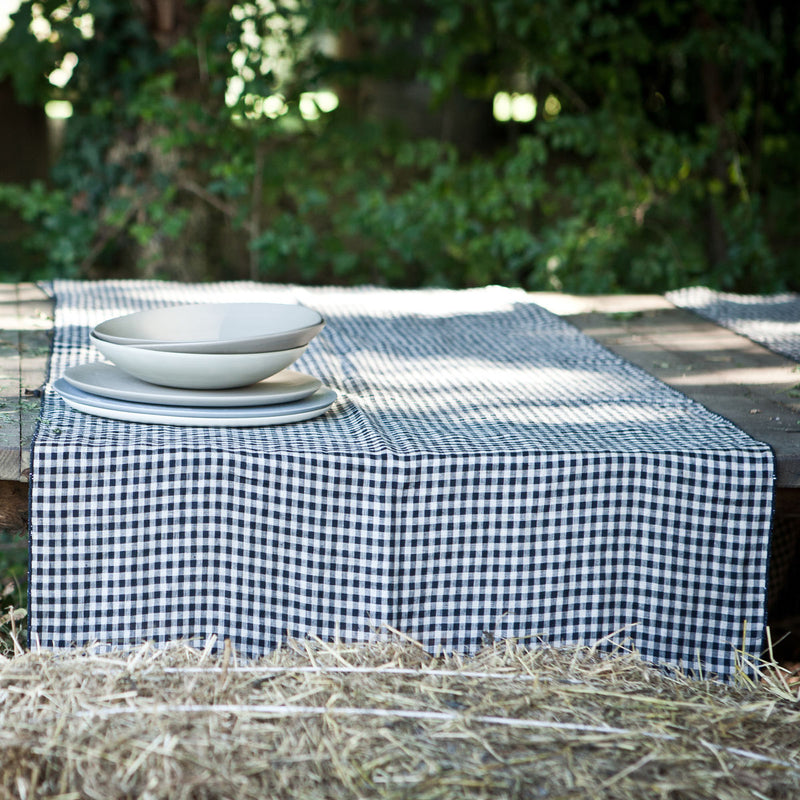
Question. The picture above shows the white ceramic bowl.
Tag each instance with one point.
(215, 328)
(197, 370)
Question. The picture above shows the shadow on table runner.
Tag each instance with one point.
(488, 472)
(770, 320)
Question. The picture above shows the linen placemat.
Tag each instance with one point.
(487, 472)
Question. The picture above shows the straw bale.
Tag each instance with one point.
(388, 720)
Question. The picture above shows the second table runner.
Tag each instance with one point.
(771, 320)
(487, 472)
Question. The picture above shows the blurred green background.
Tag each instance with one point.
(588, 146)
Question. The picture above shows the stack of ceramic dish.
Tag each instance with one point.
(204, 364)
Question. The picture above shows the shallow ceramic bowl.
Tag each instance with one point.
(197, 370)
(215, 328)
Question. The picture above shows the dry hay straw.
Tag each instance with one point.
(387, 720)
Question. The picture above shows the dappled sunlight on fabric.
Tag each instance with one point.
(438, 303)
(591, 415)
(453, 381)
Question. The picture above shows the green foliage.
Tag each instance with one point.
(399, 212)
(662, 153)
(55, 227)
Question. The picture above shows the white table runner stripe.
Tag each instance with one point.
(487, 472)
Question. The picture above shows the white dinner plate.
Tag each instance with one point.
(249, 417)
(107, 380)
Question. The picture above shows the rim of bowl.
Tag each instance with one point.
(264, 342)
(267, 343)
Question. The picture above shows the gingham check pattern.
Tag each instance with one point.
(772, 320)
(487, 472)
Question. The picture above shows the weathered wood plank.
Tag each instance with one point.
(25, 325)
(753, 387)
(9, 384)
(36, 308)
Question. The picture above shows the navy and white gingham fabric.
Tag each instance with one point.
(487, 472)
(772, 320)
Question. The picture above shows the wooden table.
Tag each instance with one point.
(26, 320)
(756, 389)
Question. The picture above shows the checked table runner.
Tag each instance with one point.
(487, 472)
(772, 320)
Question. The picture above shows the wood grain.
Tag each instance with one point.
(25, 331)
